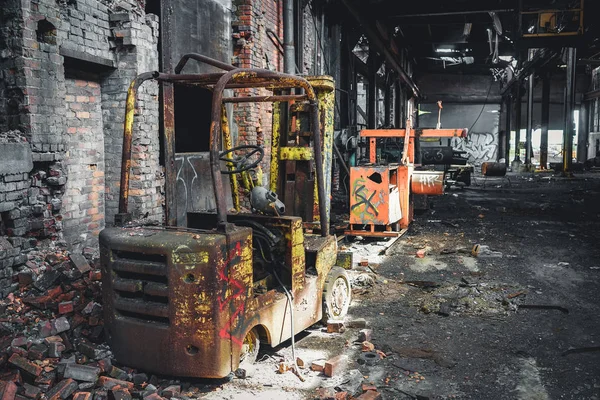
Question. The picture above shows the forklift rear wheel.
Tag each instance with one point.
(337, 294)
(250, 347)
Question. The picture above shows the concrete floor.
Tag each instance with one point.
(484, 343)
(456, 326)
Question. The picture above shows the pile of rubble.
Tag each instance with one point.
(52, 337)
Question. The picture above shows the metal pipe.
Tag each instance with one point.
(545, 119)
(264, 99)
(204, 59)
(128, 138)
(569, 106)
(529, 133)
(289, 64)
(452, 13)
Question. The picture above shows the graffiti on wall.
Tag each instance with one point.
(480, 147)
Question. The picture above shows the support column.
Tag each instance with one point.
(517, 159)
(507, 135)
(584, 132)
(372, 95)
(569, 107)
(545, 121)
(529, 133)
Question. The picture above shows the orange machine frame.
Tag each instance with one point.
(404, 177)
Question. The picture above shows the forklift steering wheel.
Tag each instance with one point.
(242, 163)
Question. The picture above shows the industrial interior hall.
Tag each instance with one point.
(299, 199)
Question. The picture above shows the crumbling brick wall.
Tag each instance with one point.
(134, 40)
(65, 67)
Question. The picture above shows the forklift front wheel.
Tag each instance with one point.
(250, 347)
(337, 294)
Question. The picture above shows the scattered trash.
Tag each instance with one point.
(483, 251)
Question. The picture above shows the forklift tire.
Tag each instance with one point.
(337, 294)
(250, 348)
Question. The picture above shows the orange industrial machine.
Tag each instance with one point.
(381, 195)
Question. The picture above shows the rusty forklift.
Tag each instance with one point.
(197, 296)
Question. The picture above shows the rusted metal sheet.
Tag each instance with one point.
(427, 182)
(198, 328)
(296, 153)
(274, 170)
(493, 169)
(374, 195)
(325, 90)
(264, 99)
(227, 145)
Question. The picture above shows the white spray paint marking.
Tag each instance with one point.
(530, 385)
(470, 263)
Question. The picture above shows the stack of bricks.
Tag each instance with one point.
(29, 204)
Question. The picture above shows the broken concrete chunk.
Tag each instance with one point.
(171, 391)
(334, 365)
(60, 325)
(357, 323)
(139, 379)
(118, 373)
(364, 335)
(81, 372)
(80, 262)
(46, 280)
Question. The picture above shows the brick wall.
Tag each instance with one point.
(72, 127)
(135, 40)
(254, 49)
(83, 208)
